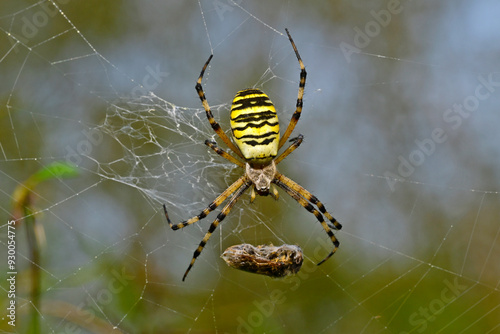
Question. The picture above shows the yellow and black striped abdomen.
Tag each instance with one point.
(255, 126)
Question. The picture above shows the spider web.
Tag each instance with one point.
(401, 145)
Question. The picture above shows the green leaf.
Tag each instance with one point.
(21, 195)
(55, 170)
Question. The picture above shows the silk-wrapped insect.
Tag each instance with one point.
(269, 260)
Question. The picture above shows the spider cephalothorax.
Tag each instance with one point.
(261, 177)
(255, 130)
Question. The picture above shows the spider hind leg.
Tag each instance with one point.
(220, 217)
(306, 200)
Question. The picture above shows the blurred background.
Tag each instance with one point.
(400, 121)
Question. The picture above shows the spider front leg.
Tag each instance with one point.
(220, 217)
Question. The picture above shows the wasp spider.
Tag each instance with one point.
(255, 130)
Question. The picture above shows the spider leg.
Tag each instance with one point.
(296, 143)
(298, 108)
(212, 206)
(224, 154)
(310, 197)
(220, 217)
(213, 122)
(309, 207)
